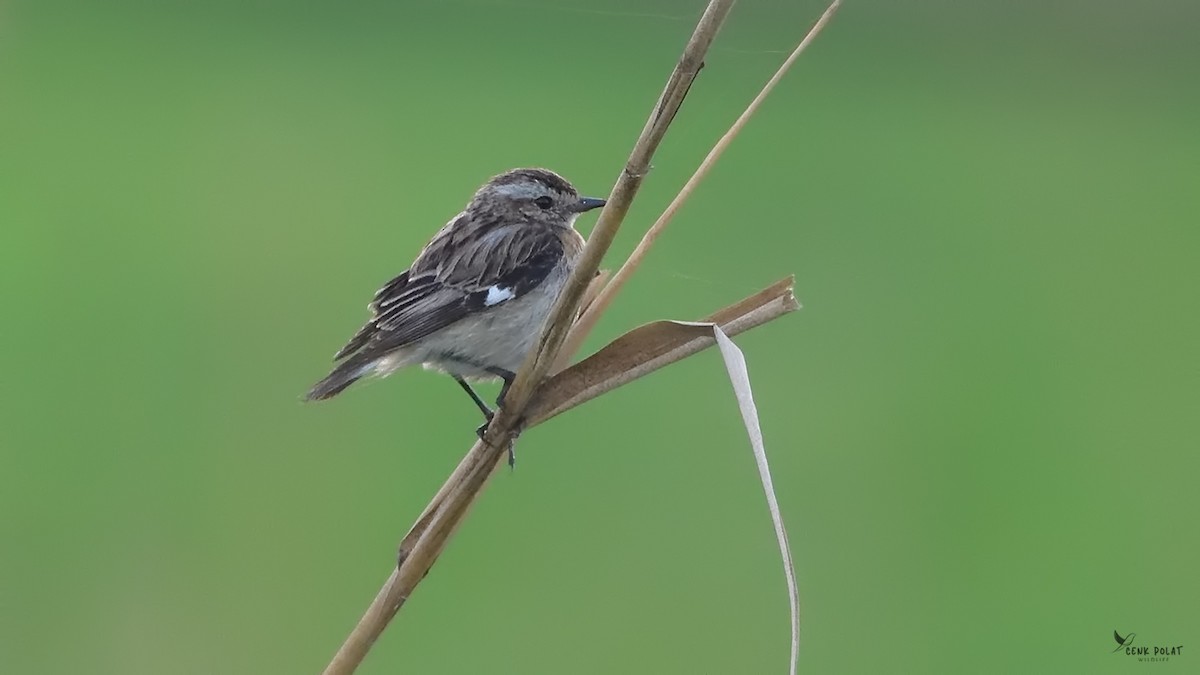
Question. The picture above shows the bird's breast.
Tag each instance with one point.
(499, 336)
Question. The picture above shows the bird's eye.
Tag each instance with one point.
(544, 202)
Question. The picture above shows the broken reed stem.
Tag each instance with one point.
(587, 321)
(648, 348)
(630, 357)
(422, 545)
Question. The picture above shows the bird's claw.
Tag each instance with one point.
(512, 441)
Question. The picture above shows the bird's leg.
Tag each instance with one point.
(508, 376)
(488, 413)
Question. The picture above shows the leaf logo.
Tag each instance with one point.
(1123, 642)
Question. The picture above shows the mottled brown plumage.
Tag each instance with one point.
(475, 298)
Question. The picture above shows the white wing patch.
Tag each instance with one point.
(497, 295)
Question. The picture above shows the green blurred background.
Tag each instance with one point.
(983, 424)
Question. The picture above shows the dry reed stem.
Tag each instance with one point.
(538, 363)
(587, 321)
(637, 353)
(593, 291)
(425, 542)
(647, 348)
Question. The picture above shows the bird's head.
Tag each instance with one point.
(534, 196)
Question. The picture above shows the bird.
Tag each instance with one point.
(473, 302)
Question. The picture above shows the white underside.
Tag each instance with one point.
(498, 337)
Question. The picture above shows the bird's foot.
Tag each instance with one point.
(481, 432)
(517, 429)
(512, 441)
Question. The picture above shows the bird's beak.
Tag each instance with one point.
(588, 203)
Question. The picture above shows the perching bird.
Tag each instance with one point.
(473, 303)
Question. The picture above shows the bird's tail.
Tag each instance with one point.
(344, 375)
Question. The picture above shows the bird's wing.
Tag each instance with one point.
(364, 334)
(449, 282)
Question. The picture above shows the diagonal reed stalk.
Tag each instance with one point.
(421, 547)
(647, 348)
(587, 321)
(532, 398)
(639, 352)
